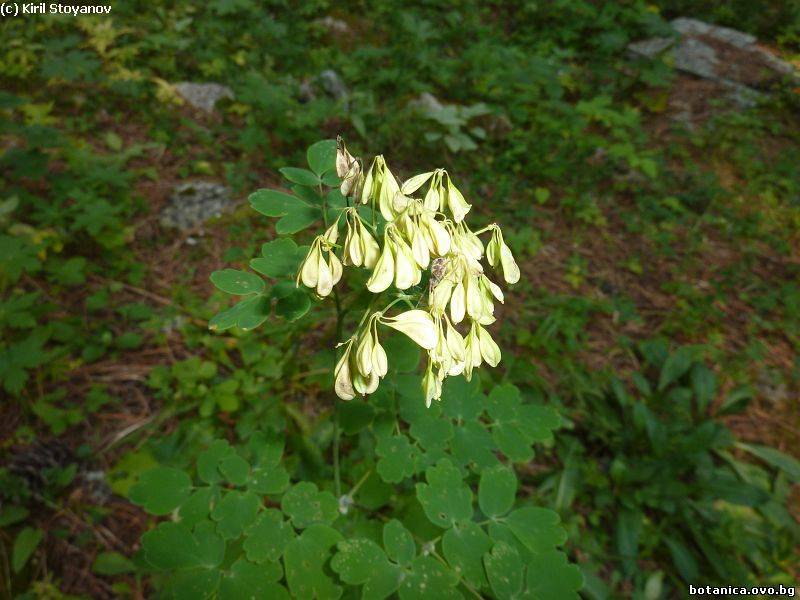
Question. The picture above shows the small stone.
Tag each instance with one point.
(333, 84)
(193, 203)
(203, 96)
(427, 102)
(332, 24)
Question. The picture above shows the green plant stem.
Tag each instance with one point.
(336, 429)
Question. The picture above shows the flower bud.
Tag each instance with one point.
(348, 169)
(431, 385)
(498, 253)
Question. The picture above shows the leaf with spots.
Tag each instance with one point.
(305, 504)
(398, 542)
(497, 490)
(429, 580)
(397, 458)
(505, 571)
(362, 561)
(464, 546)
(304, 561)
(266, 539)
(445, 498)
(248, 580)
(236, 511)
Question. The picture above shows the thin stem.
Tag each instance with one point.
(336, 429)
(359, 483)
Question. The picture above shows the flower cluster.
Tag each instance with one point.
(421, 234)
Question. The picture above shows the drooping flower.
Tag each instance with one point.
(343, 380)
(360, 248)
(498, 253)
(416, 324)
(383, 274)
(318, 273)
(380, 186)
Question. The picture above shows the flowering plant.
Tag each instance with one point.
(410, 235)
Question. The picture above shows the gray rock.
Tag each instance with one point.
(203, 96)
(693, 27)
(333, 84)
(328, 82)
(427, 102)
(695, 57)
(332, 24)
(652, 47)
(729, 58)
(193, 203)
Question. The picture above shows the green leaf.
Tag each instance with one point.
(192, 584)
(473, 445)
(300, 176)
(298, 219)
(239, 283)
(279, 258)
(25, 543)
(505, 571)
(355, 415)
(197, 507)
(397, 458)
(433, 433)
(248, 580)
(428, 580)
(462, 399)
(357, 559)
(208, 460)
(704, 384)
(236, 511)
(497, 490)
(229, 318)
(267, 538)
(161, 490)
(173, 546)
(682, 558)
(398, 542)
(629, 525)
(273, 203)
(774, 458)
(292, 303)
(551, 577)
(305, 505)
(464, 547)
(268, 480)
(235, 469)
(322, 156)
(253, 313)
(112, 563)
(445, 498)
(304, 561)
(383, 582)
(675, 366)
(295, 214)
(537, 528)
(11, 514)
